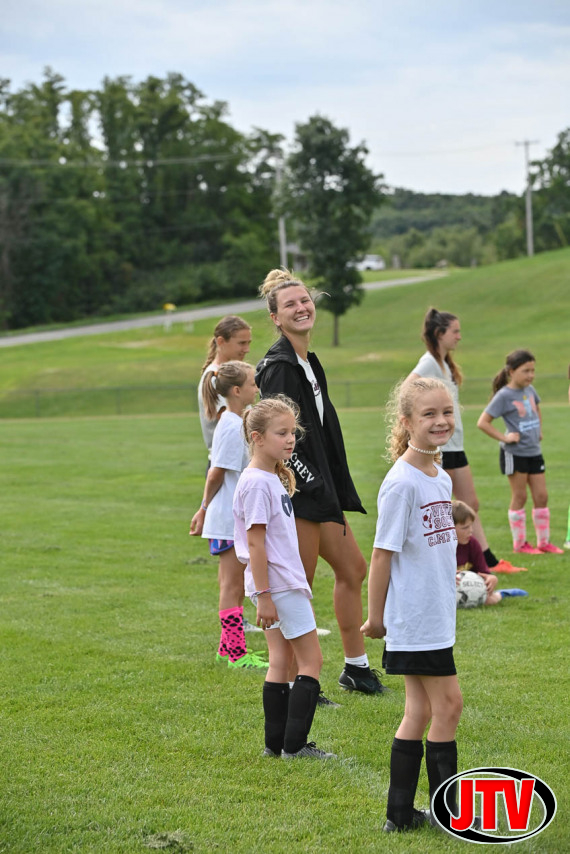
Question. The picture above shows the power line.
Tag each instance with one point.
(149, 163)
(125, 163)
(442, 151)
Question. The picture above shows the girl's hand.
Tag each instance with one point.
(197, 523)
(512, 438)
(489, 579)
(373, 630)
(266, 611)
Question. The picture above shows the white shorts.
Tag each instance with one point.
(295, 613)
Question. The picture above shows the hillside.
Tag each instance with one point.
(521, 303)
(406, 209)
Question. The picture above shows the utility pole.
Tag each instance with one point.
(529, 233)
(281, 220)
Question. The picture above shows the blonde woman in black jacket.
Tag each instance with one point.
(325, 487)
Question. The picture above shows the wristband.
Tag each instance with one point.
(259, 592)
(203, 505)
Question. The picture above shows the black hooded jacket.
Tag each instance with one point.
(325, 487)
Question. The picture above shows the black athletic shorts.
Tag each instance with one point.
(453, 460)
(510, 463)
(430, 662)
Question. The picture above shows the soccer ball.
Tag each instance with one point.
(470, 590)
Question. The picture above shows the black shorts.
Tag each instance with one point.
(430, 662)
(510, 463)
(453, 460)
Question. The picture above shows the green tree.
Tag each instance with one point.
(551, 198)
(330, 194)
(126, 196)
(53, 236)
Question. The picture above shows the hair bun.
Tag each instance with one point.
(273, 278)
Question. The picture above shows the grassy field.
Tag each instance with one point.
(524, 303)
(119, 727)
(120, 733)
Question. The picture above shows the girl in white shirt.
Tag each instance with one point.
(441, 334)
(275, 579)
(235, 382)
(411, 593)
(231, 340)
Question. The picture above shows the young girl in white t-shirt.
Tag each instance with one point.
(235, 382)
(411, 594)
(266, 540)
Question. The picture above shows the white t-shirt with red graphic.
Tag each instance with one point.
(261, 499)
(415, 523)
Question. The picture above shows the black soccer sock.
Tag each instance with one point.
(441, 764)
(490, 558)
(405, 762)
(276, 709)
(302, 704)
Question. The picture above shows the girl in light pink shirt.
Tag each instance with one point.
(265, 540)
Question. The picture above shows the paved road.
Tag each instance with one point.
(178, 317)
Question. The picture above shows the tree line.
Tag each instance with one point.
(121, 198)
(134, 194)
(422, 229)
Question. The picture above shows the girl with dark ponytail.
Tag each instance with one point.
(517, 403)
(441, 334)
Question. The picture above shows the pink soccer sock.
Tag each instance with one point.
(517, 522)
(232, 625)
(541, 520)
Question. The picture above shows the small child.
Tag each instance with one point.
(266, 541)
(235, 382)
(469, 552)
(411, 595)
(516, 401)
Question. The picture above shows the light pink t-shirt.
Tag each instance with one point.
(260, 499)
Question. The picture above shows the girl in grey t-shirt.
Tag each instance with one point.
(517, 403)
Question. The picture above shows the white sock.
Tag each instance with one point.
(359, 661)
(291, 684)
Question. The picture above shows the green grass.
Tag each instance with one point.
(119, 731)
(119, 727)
(523, 303)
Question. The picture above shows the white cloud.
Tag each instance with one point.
(410, 79)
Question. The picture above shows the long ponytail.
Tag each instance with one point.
(435, 324)
(228, 326)
(218, 383)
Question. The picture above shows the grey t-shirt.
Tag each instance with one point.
(518, 407)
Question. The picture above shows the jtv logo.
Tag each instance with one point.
(480, 792)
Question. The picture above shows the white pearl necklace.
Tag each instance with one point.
(421, 450)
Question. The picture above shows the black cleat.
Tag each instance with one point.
(419, 818)
(367, 681)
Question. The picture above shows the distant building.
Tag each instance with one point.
(296, 258)
(371, 262)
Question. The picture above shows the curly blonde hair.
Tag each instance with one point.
(401, 405)
(257, 420)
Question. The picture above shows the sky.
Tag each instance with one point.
(439, 92)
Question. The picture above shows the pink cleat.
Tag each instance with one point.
(527, 549)
(548, 548)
